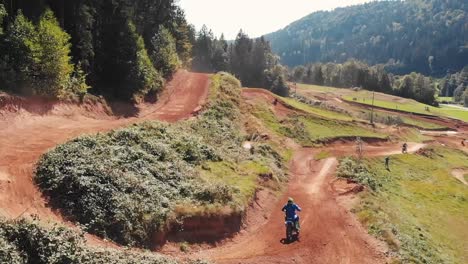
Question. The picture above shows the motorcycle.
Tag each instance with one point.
(404, 150)
(291, 230)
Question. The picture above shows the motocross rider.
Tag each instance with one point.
(290, 208)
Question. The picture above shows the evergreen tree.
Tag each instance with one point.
(220, 58)
(3, 14)
(139, 77)
(465, 97)
(54, 68)
(203, 50)
(241, 60)
(21, 59)
(164, 54)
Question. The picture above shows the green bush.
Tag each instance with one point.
(123, 185)
(355, 170)
(29, 241)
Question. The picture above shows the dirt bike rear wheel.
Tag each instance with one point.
(289, 232)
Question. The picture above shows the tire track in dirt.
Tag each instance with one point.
(329, 233)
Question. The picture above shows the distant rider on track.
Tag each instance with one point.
(290, 208)
(405, 148)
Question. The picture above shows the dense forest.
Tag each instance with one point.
(250, 60)
(456, 86)
(425, 36)
(374, 78)
(121, 48)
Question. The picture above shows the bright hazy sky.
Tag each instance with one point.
(255, 17)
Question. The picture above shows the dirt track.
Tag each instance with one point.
(330, 232)
(25, 136)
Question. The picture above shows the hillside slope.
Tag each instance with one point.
(427, 36)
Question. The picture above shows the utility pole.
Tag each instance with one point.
(372, 108)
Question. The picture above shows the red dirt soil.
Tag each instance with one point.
(330, 233)
(25, 135)
(253, 95)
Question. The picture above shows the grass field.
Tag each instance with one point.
(444, 99)
(310, 130)
(406, 105)
(317, 110)
(356, 111)
(419, 209)
(387, 101)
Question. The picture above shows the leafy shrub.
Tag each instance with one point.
(26, 241)
(122, 185)
(355, 170)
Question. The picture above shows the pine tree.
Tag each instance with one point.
(3, 14)
(22, 57)
(54, 58)
(203, 50)
(164, 53)
(220, 58)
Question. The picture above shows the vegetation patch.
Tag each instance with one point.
(29, 241)
(319, 111)
(355, 170)
(419, 209)
(413, 135)
(406, 105)
(362, 113)
(309, 129)
(128, 184)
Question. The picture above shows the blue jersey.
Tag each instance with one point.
(291, 209)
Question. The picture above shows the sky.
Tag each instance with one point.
(255, 17)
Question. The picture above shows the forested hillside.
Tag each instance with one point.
(121, 48)
(374, 78)
(425, 36)
(251, 60)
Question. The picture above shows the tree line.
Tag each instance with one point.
(456, 86)
(355, 73)
(121, 48)
(426, 36)
(250, 60)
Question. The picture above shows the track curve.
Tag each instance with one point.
(26, 136)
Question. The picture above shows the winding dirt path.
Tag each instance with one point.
(330, 233)
(26, 136)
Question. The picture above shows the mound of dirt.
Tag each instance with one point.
(30, 127)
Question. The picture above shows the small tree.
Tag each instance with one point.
(164, 54)
(3, 14)
(458, 93)
(465, 96)
(22, 57)
(142, 77)
(54, 58)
